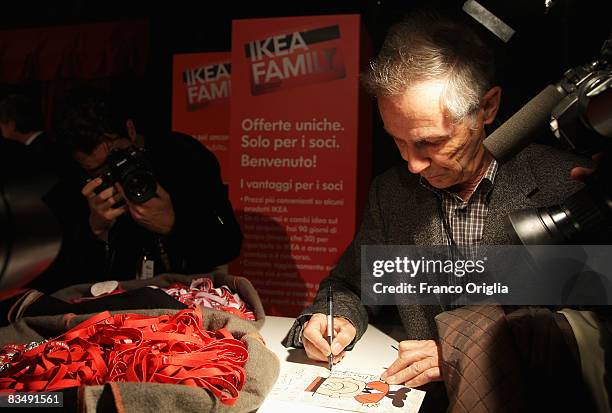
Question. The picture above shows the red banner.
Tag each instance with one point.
(294, 155)
(201, 88)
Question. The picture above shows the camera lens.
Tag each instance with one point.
(584, 214)
(132, 170)
(139, 186)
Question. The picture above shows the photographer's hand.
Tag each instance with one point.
(102, 214)
(156, 215)
(580, 173)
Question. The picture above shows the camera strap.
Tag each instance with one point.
(109, 254)
(163, 255)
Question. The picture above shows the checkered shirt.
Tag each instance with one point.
(463, 221)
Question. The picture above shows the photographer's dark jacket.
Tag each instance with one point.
(205, 233)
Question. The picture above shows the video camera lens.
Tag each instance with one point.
(583, 217)
(582, 121)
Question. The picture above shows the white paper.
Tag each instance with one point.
(343, 390)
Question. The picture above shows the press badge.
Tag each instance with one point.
(147, 268)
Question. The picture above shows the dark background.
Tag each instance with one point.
(544, 46)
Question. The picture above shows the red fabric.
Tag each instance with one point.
(132, 347)
(86, 51)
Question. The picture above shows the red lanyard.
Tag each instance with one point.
(201, 292)
(131, 347)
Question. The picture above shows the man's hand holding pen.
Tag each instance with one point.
(314, 337)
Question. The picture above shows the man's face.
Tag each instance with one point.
(444, 152)
(94, 161)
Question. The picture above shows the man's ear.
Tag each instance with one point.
(131, 129)
(490, 104)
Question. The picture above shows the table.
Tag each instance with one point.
(372, 354)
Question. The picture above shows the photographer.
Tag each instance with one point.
(132, 207)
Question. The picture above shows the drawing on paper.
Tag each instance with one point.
(344, 390)
(362, 392)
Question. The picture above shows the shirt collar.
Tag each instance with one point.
(485, 184)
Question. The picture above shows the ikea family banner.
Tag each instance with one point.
(201, 89)
(295, 151)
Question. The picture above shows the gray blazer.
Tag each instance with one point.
(401, 211)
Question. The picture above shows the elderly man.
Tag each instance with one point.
(434, 83)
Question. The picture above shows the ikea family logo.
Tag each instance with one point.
(207, 84)
(294, 59)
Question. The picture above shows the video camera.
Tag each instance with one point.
(130, 168)
(30, 236)
(579, 109)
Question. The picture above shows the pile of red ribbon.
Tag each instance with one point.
(131, 347)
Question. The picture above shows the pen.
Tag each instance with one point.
(392, 346)
(330, 324)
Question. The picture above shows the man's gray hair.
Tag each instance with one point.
(430, 47)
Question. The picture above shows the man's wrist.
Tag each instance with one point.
(302, 320)
(165, 230)
(99, 231)
(344, 318)
(101, 235)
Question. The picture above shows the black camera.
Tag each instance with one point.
(582, 121)
(130, 168)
